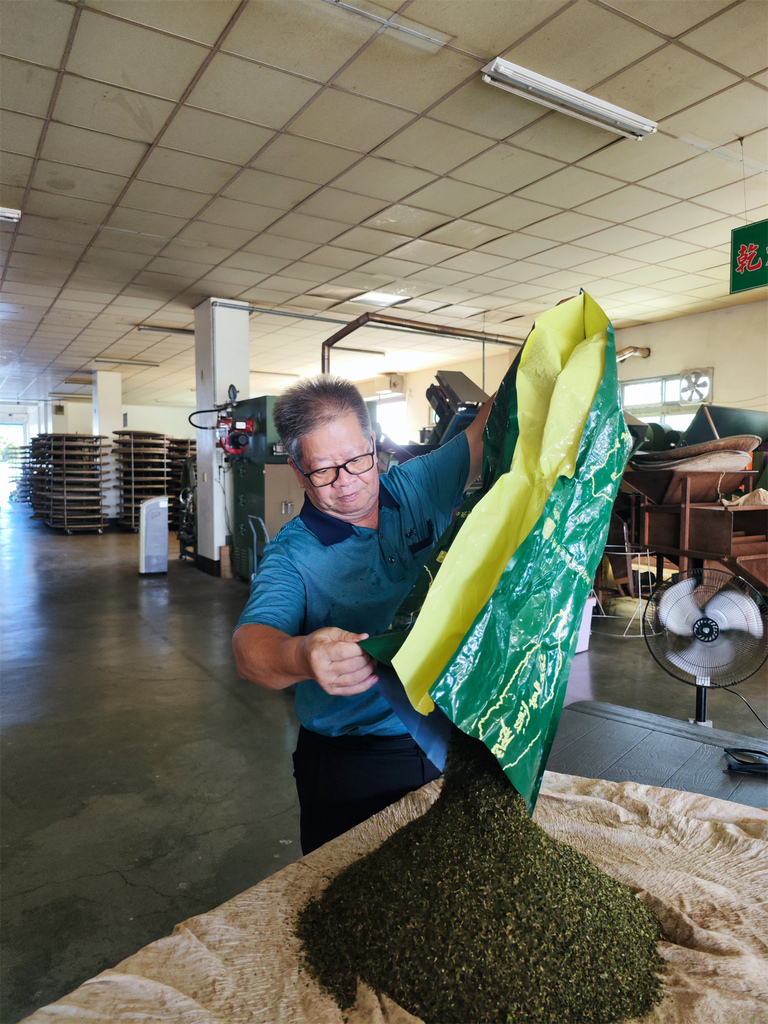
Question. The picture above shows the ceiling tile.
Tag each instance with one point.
(651, 275)
(36, 31)
(305, 159)
(405, 71)
(487, 110)
(562, 137)
(433, 146)
(303, 228)
(354, 122)
(239, 215)
(582, 45)
(483, 27)
(311, 272)
(515, 247)
(19, 133)
(617, 239)
(96, 186)
(440, 275)
(700, 260)
(202, 22)
(228, 86)
(25, 88)
(315, 40)
(269, 189)
(664, 82)
(565, 227)
(570, 186)
(371, 241)
(700, 175)
(126, 55)
(185, 170)
(256, 263)
(506, 169)
(408, 220)
(723, 118)
(737, 38)
(333, 256)
(476, 262)
(421, 251)
(155, 224)
(213, 135)
(673, 219)
(383, 179)
(564, 257)
(113, 111)
(178, 202)
(750, 193)
(224, 235)
(511, 213)
(272, 245)
(465, 234)
(660, 250)
(714, 234)
(386, 266)
(454, 198)
(670, 18)
(15, 170)
(625, 203)
(631, 160)
(336, 204)
(94, 150)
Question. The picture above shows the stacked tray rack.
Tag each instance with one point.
(143, 471)
(67, 481)
(21, 470)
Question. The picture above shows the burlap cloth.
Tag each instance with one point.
(699, 862)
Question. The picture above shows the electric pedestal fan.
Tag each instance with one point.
(707, 628)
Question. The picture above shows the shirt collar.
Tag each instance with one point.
(330, 530)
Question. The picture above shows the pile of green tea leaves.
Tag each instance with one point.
(473, 913)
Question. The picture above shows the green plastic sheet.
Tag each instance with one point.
(490, 636)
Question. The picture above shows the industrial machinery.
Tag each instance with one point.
(456, 401)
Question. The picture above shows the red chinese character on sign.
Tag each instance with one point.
(745, 259)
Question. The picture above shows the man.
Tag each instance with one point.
(334, 575)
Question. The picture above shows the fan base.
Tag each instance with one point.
(695, 721)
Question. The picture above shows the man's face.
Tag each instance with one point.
(351, 498)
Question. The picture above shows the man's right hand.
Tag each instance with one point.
(337, 663)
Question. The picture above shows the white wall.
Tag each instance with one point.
(733, 341)
(165, 419)
(77, 418)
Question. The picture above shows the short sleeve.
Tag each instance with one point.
(278, 595)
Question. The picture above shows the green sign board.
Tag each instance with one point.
(749, 256)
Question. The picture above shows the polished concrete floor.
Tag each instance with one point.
(142, 781)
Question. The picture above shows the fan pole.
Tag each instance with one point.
(701, 703)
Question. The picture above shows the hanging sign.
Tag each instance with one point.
(749, 256)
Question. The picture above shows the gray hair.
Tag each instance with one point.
(312, 402)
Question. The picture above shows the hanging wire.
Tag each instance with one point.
(748, 705)
(744, 177)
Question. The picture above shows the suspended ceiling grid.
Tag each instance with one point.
(296, 153)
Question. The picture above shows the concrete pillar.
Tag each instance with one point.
(221, 359)
(108, 416)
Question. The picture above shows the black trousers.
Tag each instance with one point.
(342, 780)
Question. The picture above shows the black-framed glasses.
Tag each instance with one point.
(328, 475)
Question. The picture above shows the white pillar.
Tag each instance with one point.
(108, 416)
(221, 359)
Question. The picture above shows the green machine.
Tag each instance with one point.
(265, 489)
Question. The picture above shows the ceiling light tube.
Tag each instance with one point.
(126, 362)
(8, 214)
(531, 86)
(186, 332)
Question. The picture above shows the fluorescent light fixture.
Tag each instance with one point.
(522, 82)
(186, 332)
(381, 298)
(6, 213)
(274, 373)
(124, 362)
(70, 397)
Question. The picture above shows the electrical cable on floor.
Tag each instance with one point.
(748, 705)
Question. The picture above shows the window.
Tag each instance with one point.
(392, 416)
(659, 399)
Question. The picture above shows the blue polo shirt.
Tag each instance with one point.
(321, 571)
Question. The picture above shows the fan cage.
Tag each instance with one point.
(698, 663)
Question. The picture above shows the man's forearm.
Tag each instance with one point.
(268, 657)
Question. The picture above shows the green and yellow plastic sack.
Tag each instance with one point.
(493, 623)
